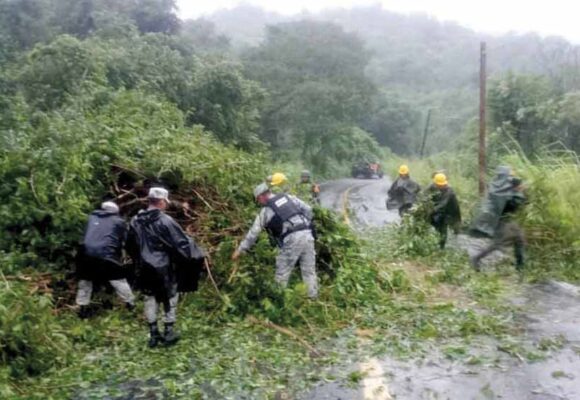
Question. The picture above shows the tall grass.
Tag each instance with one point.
(552, 217)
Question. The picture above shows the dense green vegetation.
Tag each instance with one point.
(100, 98)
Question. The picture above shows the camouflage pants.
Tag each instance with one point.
(122, 288)
(151, 308)
(298, 247)
(508, 234)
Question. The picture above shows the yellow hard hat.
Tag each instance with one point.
(403, 170)
(440, 179)
(278, 179)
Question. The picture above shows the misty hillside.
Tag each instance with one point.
(416, 49)
(420, 62)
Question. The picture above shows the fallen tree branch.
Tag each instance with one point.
(125, 193)
(234, 272)
(123, 168)
(5, 280)
(28, 278)
(208, 269)
(33, 189)
(202, 199)
(136, 200)
(287, 332)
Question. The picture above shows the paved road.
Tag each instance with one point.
(548, 311)
(365, 200)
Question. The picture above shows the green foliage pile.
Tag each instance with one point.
(56, 171)
(60, 167)
(346, 278)
(415, 236)
(31, 338)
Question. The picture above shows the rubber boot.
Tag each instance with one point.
(519, 255)
(170, 335)
(475, 262)
(84, 312)
(155, 337)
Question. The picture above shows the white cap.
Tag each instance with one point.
(110, 206)
(158, 193)
(261, 189)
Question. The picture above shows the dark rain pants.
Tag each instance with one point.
(509, 234)
(439, 222)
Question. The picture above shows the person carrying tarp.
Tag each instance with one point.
(307, 189)
(288, 221)
(403, 192)
(167, 262)
(100, 257)
(505, 196)
(445, 207)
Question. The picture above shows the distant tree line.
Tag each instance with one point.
(418, 63)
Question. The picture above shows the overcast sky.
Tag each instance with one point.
(554, 17)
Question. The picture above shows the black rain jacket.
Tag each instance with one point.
(403, 192)
(166, 259)
(104, 236)
(446, 210)
(99, 257)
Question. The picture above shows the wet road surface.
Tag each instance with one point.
(549, 311)
(363, 198)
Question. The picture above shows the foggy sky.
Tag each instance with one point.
(555, 17)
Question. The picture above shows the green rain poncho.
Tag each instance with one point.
(500, 192)
(403, 192)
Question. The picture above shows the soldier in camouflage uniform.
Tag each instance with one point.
(307, 189)
(287, 220)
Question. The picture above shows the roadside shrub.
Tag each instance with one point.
(32, 340)
(551, 216)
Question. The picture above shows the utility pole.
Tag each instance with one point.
(425, 133)
(482, 98)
